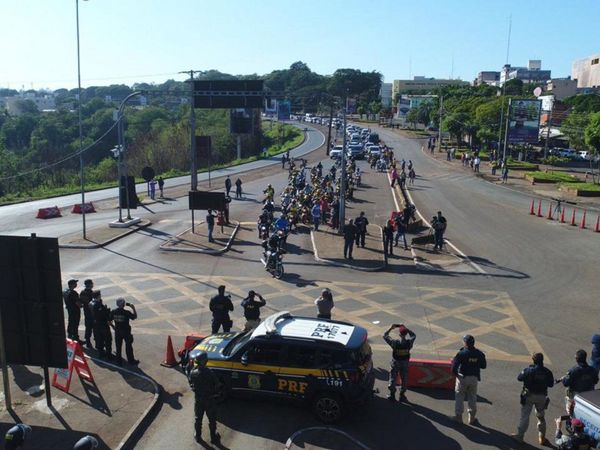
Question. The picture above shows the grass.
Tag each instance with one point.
(484, 155)
(521, 165)
(552, 177)
(582, 186)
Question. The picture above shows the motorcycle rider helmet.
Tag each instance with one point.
(577, 425)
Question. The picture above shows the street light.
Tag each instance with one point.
(81, 176)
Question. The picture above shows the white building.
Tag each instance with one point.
(587, 72)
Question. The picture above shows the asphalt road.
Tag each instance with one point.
(537, 293)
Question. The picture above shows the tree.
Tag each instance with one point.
(413, 117)
(513, 87)
(574, 128)
(455, 124)
(592, 132)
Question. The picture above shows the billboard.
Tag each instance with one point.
(284, 108)
(215, 94)
(351, 105)
(240, 121)
(524, 121)
(270, 107)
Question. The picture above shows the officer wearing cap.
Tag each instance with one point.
(577, 441)
(121, 318)
(536, 380)
(401, 357)
(86, 443)
(466, 366)
(15, 437)
(252, 309)
(102, 324)
(205, 385)
(580, 378)
(220, 305)
(85, 297)
(73, 305)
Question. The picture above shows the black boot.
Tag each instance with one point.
(215, 438)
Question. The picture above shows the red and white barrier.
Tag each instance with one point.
(87, 208)
(48, 213)
(430, 374)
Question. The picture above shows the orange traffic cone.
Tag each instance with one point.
(539, 214)
(583, 220)
(549, 217)
(573, 218)
(562, 215)
(531, 211)
(597, 230)
(170, 355)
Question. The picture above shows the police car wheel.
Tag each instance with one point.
(328, 407)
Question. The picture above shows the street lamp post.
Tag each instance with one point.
(81, 174)
(342, 218)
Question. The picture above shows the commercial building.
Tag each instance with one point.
(561, 88)
(45, 102)
(487, 77)
(386, 94)
(533, 73)
(587, 72)
(409, 101)
(422, 85)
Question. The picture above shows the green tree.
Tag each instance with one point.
(574, 128)
(455, 124)
(513, 87)
(413, 117)
(592, 132)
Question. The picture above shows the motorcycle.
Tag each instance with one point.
(263, 230)
(357, 178)
(273, 262)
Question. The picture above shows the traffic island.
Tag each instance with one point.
(111, 408)
(197, 241)
(425, 257)
(328, 247)
(99, 236)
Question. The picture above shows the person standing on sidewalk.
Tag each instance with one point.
(206, 386)
(316, 215)
(399, 222)
(466, 367)
(102, 324)
(161, 186)
(361, 223)
(439, 224)
(238, 189)
(394, 176)
(85, 297)
(505, 174)
(536, 380)
(411, 176)
(349, 231)
(388, 238)
(220, 305)
(121, 318)
(227, 185)
(400, 359)
(210, 223)
(324, 304)
(73, 305)
(153, 189)
(252, 309)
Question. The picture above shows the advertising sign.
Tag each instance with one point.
(524, 121)
(283, 110)
(351, 105)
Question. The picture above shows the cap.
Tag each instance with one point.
(86, 443)
(402, 330)
(468, 339)
(251, 293)
(577, 424)
(72, 281)
(88, 281)
(120, 302)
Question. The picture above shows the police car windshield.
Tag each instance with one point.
(236, 343)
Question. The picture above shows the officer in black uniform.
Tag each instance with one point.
(536, 380)
(220, 305)
(71, 298)
(466, 366)
(85, 297)
(401, 356)
(252, 309)
(121, 318)
(102, 325)
(580, 378)
(361, 223)
(205, 385)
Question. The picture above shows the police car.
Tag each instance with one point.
(326, 363)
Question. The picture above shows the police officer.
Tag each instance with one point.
(15, 437)
(102, 325)
(466, 366)
(252, 309)
(579, 378)
(121, 318)
(220, 305)
(577, 441)
(536, 380)
(86, 443)
(361, 223)
(401, 356)
(73, 304)
(205, 385)
(85, 297)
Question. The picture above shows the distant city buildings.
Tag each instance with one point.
(407, 102)
(561, 88)
(422, 85)
(586, 72)
(386, 94)
(43, 102)
(489, 77)
(533, 73)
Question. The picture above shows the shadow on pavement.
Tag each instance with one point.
(94, 397)
(44, 438)
(27, 379)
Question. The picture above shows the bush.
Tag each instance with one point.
(554, 160)
(552, 177)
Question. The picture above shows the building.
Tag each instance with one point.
(422, 85)
(487, 77)
(587, 72)
(561, 88)
(386, 94)
(533, 73)
(409, 101)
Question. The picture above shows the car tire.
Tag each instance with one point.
(328, 407)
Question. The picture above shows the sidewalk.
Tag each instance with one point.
(99, 236)
(110, 410)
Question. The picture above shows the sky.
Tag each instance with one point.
(128, 41)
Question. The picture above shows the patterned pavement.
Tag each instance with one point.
(176, 304)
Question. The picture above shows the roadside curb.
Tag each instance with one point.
(167, 248)
(141, 225)
(133, 434)
(348, 266)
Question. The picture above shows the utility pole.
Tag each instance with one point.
(506, 131)
(440, 124)
(548, 125)
(329, 129)
(81, 173)
(343, 175)
(193, 157)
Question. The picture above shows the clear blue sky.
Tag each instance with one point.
(124, 41)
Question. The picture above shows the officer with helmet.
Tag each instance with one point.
(577, 441)
(15, 437)
(536, 380)
(401, 357)
(580, 378)
(466, 366)
(205, 385)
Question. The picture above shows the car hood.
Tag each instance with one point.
(214, 345)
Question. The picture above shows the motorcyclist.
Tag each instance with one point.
(269, 193)
(282, 225)
(577, 441)
(263, 220)
(269, 207)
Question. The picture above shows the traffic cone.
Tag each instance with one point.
(539, 214)
(597, 229)
(573, 218)
(531, 211)
(170, 355)
(583, 220)
(549, 217)
(562, 215)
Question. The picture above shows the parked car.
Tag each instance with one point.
(567, 153)
(356, 151)
(336, 151)
(374, 150)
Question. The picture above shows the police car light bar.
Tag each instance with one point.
(271, 321)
